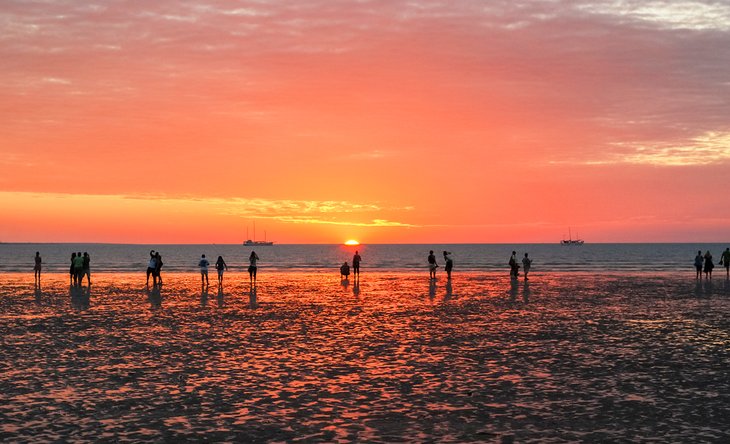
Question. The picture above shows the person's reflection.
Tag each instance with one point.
(449, 290)
(154, 295)
(38, 293)
(80, 297)
(221, 297)
(526, 292)
(514, 285)
(345, 283)
(203, 296)
(709, 287)
(253, 303)
(432, 289)
(356, 287)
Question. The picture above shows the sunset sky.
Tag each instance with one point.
(385, 121)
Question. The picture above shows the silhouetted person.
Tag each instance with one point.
(37, 267)
(203, 264)
(79, 267)
(699, 261)
(526, 264)
(158, 268)
(725, 260)
(87, 269)
(151, 266)
(356, 264)
(708, 265)
(449, 264)
(220, 266)
(432, 265)
(514, 268)
(252, 268)
(71, 271)
(344, 271)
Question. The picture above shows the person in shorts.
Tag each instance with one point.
(203, 264)
(220, 266)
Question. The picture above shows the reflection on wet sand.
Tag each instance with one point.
(252, 302)
(154, 296)
(80, 297)
(609, 359)
(221, 297)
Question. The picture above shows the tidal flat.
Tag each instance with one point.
(394, 357)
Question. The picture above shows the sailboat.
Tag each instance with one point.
(571, 241)
(254, 242)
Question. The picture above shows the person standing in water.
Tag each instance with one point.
(344, 271)
(514, 268)
(526, 264)
(79, 268)
(220, 265)
(87, 268)
(37, 267)
(252, 268)
(432, 265)
(709, 265)
(151, 265)
(356, 264)
(698, 264)
(158, 268)
(203, 264)
(725, 260)
(449, 264)
(71, 275)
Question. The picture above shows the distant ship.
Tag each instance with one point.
(254, 242)
(571, 241)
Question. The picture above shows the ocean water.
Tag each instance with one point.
(383, 257)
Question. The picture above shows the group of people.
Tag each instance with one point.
(704, 263)
(433, 265)
(221, 266)
(153, 268)
(345, 269)
(514, 266)
(80, 267)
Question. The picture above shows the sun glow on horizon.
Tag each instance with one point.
(352, 243)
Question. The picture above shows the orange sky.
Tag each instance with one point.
(384, 121)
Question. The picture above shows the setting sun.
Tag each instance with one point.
(352, 242)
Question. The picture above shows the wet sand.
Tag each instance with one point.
(567, 357)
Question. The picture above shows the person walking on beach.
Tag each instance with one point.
(79, 268)
(252, 268)
(708, 265)
(87, 269)
(158, 268)
(432, 265)
(203, 264)
(344, 271)
(220, 265)
(151, 266)
(698, 264)
(526, 264)
(449, 264)
(356, 265)
(725, 260)
(71, 271)
(37, 267)
(514, 268)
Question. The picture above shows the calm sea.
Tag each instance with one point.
(467, 257)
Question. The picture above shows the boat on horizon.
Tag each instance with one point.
(256, 243)
(571, 241)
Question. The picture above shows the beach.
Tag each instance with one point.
(565, 356)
